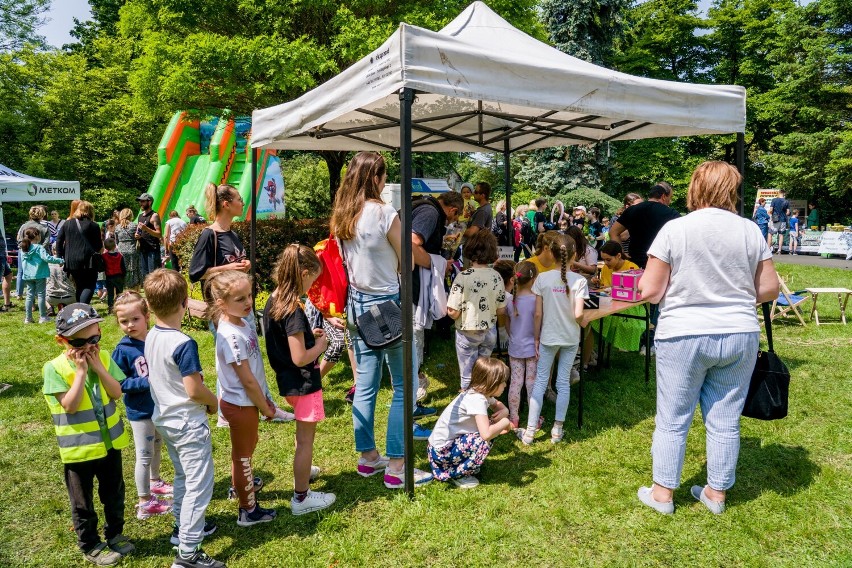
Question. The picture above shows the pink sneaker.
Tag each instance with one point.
(161, 488)
(152, 508)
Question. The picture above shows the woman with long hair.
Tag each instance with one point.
(125, 241)
(78, 241)
(706, 270)
(218, 247)
(370, 233)
(586, 260)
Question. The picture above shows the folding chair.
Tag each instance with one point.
(786, 303)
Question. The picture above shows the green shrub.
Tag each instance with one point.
(589, 198)
(272, 236)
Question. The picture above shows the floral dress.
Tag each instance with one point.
(126, 245)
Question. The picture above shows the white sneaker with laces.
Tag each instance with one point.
(466, 482)
(314, 501)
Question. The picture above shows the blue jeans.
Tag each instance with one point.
(368, 378)
(546, 355)
(149, 261)
(713, 371)
(35, 288)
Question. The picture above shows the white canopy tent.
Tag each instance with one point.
(15, 186)
(478, 85)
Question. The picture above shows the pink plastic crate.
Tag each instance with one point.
(626, 294)
(627, 279)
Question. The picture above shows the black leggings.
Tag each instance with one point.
(85, 280)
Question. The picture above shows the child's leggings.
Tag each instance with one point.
(148, 447)
(546, 355)
(523, 373)
(243, 421)
(36, 289)
(462, 456)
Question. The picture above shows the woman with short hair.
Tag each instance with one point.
(78, 241)
(706, 270)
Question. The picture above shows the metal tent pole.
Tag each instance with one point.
(741, 168)
(406, 99)
(253, 223)
(507, 180)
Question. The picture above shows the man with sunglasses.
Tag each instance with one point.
(81, 386)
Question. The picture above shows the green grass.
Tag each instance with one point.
(568, 505)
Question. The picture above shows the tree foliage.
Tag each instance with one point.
(19, 22)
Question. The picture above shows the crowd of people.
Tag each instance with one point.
(710, 266)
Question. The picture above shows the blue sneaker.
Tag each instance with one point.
(421, 433)
(424, 411)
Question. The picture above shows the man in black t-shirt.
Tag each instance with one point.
(148, 236)
(779, 213)
(429, 219)
(643, 221)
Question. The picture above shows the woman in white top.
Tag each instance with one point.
(370, 233)
(706, 270)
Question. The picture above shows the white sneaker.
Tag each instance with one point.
(422, 385)
(466, 482)
(43, 320)
(222, 422)
(575, 376)
(281, 415)
(368, 468)
(314, 501)
(556, 434)
(315, 471)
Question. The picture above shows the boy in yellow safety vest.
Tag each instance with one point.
(81, 386)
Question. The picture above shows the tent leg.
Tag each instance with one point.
(507, 181)
(253, 223)
(741, 168)
(406, 98)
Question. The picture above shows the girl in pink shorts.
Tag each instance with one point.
(293, 349)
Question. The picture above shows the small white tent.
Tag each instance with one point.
(15, 186)
(480, 82)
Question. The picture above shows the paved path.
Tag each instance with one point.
(813, 260)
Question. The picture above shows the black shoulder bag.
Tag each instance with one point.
(769, 391)
(380, 326)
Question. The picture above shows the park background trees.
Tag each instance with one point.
(95, 110)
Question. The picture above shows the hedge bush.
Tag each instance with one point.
(272, 236)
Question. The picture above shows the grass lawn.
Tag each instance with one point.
(573, 504)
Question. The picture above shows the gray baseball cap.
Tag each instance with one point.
(145, 197)
(75, 317)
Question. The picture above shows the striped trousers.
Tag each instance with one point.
(713, 371)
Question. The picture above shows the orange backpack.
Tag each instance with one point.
(329, 292)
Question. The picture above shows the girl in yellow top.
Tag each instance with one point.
(544, 260)
(470, 204)
(623, 333)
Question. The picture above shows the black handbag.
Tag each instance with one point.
(769, 390)
(380, 326)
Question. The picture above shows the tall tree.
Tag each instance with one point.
(586, 29)
(248, 54)
(19, 20)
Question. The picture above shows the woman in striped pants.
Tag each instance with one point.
(707, 270)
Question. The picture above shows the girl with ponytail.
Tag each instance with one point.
(522, 356)
(559, 299)
(294, 348)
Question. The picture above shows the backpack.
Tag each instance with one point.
(330, 290)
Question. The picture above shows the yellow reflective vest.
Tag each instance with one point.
(79, 434)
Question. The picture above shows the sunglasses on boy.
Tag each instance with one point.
(83, 341)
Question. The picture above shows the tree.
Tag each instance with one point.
(248, 54)
(19, 20)
(586, 29)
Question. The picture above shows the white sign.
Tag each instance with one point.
(834, 242)
(506, 253)
(15, 186)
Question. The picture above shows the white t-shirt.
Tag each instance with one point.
(172, 355)
(176, 227)
(237, 344)
(373, 264)
(713, 256)
(459, 418)
(558, 324)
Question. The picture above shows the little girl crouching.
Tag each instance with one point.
(461, 439)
